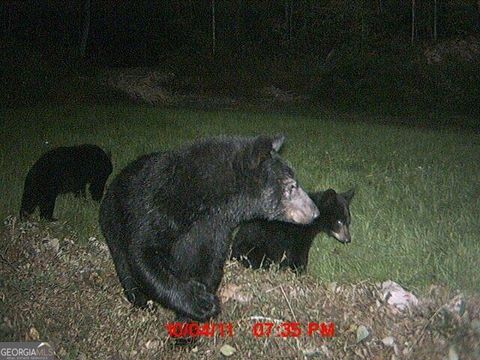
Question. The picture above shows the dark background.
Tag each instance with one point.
(380, 55)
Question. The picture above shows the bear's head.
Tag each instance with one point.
(272, 183)
(335, 215)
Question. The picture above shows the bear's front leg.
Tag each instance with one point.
(297, 260)
(202, 252)
(47, 205)
(97, 187)
(186, 297)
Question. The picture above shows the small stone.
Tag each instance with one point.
(152, 344)
(388, 341)
(452, 353)
(362, 333)
(227, 350)
(54, 244)
(312, 352)
(33, 334)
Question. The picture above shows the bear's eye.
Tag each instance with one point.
(339, 223)
(291, 187)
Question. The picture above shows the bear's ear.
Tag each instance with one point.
(263, 148)
(349, 195)
(329, 196)
(277, 142)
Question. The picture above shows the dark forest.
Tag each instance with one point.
(368, 55)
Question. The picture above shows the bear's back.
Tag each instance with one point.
(70, 168)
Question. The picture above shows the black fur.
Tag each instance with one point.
(259, 243)
(168, 215)
(64, 170)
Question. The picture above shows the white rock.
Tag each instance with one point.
(389, 340)
(332, 287)
(397, 296)
(452, 353)
(227, 350)
(362, 333)
(54, 244)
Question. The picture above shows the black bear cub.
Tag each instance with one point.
(64, 170)
(167, 217)
(259, 243)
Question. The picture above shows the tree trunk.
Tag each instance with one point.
(9, 15)
(237, 21)
(291, 20)
(413, 22)
(86, 28)
(287, 20)
(363, 25)
(240, 27)
(214, 40)
(478, 15)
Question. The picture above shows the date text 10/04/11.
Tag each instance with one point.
(259, 329)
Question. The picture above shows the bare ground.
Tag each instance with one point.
(55, 288)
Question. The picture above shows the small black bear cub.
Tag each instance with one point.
(64, 170)
(260, 243)
(167, 217)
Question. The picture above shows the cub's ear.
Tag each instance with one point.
(264, 147)
(349, 195)
(329, 196)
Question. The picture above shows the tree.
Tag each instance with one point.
(413, 22)
(86, 28)
(213, 28)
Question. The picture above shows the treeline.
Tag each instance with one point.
(148, 29)
(385, 55)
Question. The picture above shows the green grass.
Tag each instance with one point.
(416, 216)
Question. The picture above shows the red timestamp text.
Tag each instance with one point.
(194, 329)
(293, 329)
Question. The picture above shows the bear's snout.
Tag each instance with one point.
(301, 209)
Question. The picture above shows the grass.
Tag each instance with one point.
(416, 213)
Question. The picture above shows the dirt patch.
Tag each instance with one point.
(154, 87)
(57, 289)
(142, 85)
(467, 50)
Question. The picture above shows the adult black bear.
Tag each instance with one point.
(168, 215)
(259, 243)
(63, 170)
